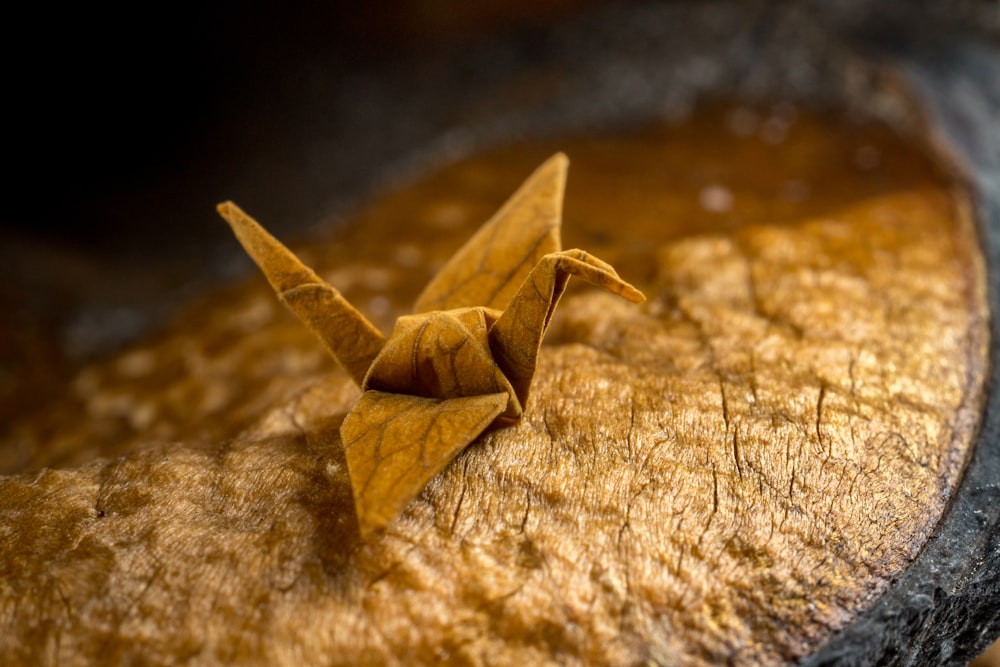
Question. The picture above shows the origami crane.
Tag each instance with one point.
(462, 363)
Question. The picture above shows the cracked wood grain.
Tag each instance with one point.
(204, 512)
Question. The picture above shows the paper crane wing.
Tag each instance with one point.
(352, 340)
(491, 266)
(395, 444)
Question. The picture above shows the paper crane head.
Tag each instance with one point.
(463, 362)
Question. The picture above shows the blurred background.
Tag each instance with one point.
(105, 106)
(125, 127)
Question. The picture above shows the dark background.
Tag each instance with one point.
(112, 112)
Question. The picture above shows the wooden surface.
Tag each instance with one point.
(732, 472)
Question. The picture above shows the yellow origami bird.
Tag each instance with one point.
(463, 362)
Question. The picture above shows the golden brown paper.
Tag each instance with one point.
(452, 370)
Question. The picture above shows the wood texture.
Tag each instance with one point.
(730, 472)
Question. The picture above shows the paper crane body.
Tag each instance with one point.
(463, 362)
